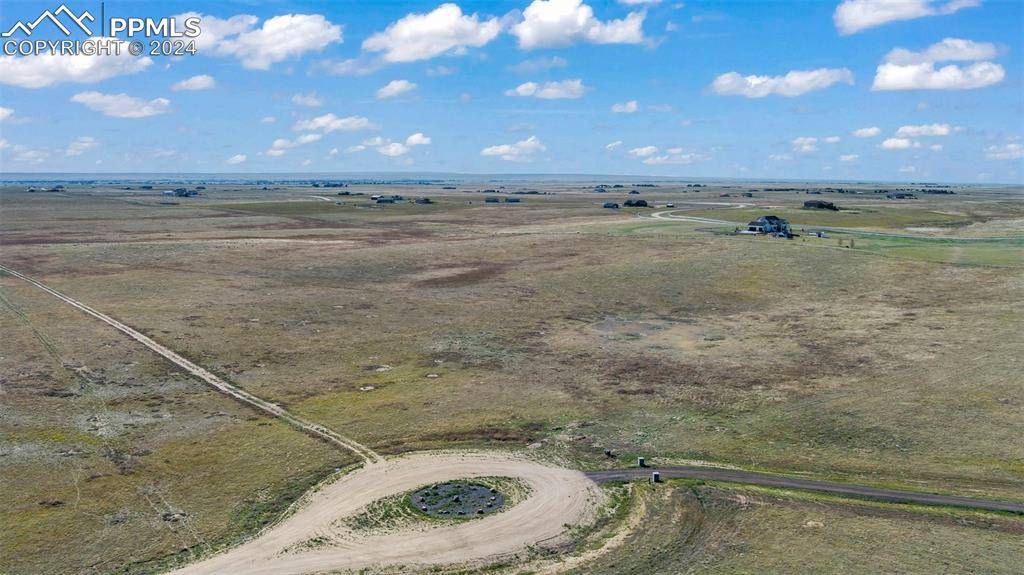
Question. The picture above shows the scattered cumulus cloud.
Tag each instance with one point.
(832, 140)
(852, 16)
(907, 70)
(675, 157)
(236, 159)
(195, 83)
(47, 69)
(310, 100)
(122, 105)
(395, 88)
(867, 132)
(805, 144)
(1010, 151)
(794, 83)
(6, 113)
(423, 36)
(521, 151)
(280, 145)
(268, 120)
(613, 145)
(417, 139)
(565, 89)
(899, 144)
(849, 158)
(556, 23)
(81, 145)
(644, 151)
(328, 123)
(779, 157)
(534, 65)
(280, 38)
(926, 130)
(625, 108)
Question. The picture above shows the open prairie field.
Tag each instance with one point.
(550, 327)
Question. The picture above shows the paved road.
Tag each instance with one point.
(314, 429)
(769, 480)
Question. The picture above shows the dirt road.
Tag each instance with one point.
(217, 383)
(558, 497)
(844, 489)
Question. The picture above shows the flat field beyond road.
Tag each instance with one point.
(551, 324)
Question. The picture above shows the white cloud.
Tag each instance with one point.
(675, 157)
(554, 23)
(424, 36)
(661, 108)
(925, 130)
(395, 88)
(49, 69)
(849, 158)
(6, 113)
(907, 70)
(393, 149)
(81, 145)
(200, 82)
(644, 151)
(908, 169)
(935, 147)
(535, 65)
(122, 105)
(947, 50)
(832, 140)
(306, 162)
(1011, 151)
(4, 144)
(236, 159)
(26, 155)
(333, 152)
(268, 120)
(417, 139)
(214, 30)
(566, 89)
(310, 100)
(852, 16)
(899, 144)
(794, 83)
(355, 149)
(613, 145)
(521, 151)
(805, 144)
(779, 157)
(926, 77)
(639, 2)
(281, 144)
(331, 123)
(867, 132)
(435, 71)
(280, 38)
(626, 108)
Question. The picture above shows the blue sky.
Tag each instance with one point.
(704, 89)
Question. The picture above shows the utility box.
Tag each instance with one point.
(641, 462)
(656, 477)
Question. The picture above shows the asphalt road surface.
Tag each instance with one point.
(768, 480)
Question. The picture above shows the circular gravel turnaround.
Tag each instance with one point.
(557, 497)
(457, 499)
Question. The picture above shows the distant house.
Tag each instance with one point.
(511, 200)
(635, 203)
(769, 225)
(610, 205)
(383, 200)
(492, 200)
(900, 196)
(820, 205)
(633, 192)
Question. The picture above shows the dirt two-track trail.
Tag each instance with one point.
(314, 538)
(217, 383)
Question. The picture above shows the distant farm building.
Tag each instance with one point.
(820, 205)
(769, 225)
(492, 200)
(635, 203)
(511, 200)
(610, 205)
